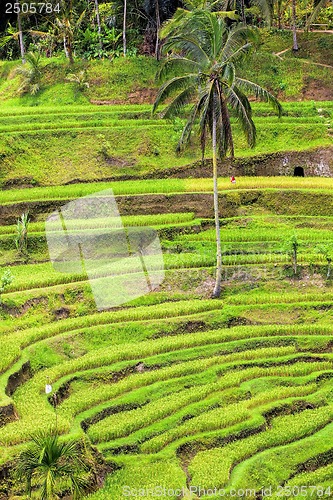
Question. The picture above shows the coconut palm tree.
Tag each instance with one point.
(204, 56)
(47, 462)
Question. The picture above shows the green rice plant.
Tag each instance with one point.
(257, 235)
(212, 467)
(287, 457)
(29, 398)
(227, 416)
(185, 422)
(308, 184)
(316, 477)
(179, 309)
(195, 356)
(141, 476)
(118, 426)
(157, 220)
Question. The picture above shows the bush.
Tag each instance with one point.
(5, 281)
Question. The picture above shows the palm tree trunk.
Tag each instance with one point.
(65, 48)
(21, 37)
(218, 279)
(70, 53)
(158, 26)
(124, 27)
(279, 13)
(241, 10)
(295, 44)
(98, 25)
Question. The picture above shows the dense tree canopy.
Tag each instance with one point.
(94, 28)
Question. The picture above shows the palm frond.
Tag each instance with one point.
(192, 46)
(205, 107)
(186, 132)
(174, 63)
(227, 14)
(80, 19)
(239, 53)
(239, 102)
(5, 39)
(237, 38)
(260, 93)
(229, 73)
(224, 130)
(173, 25)
(177, 83)
(179, 102)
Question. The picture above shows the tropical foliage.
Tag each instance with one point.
(49, 464)
(99, 28)
(31, 74)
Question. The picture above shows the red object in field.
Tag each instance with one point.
(232, 179)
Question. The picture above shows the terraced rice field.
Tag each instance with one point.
(89, 143)
(175, 389)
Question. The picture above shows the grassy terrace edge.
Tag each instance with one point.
(164, 186)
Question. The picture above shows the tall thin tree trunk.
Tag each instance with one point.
(98, 26)
(70, 54)
(65, 48)
(19, 25)
(158, 26)
(124, 27)
(68, 49)
(295, 44)
(241, 9)
(295, 261)
(279, 13)
(218, 279)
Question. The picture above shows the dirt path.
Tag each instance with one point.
(279, 54)
(315, 31)
(318, 64)
(282, 52)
